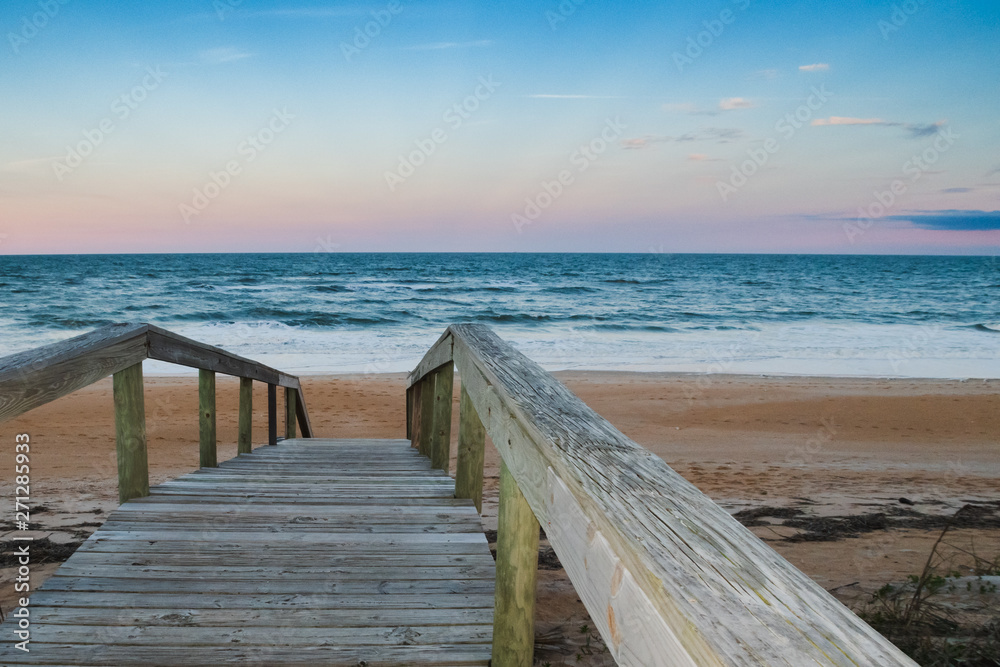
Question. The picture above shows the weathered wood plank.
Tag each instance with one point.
(516, 577)
(134, 635)
(206, 419)
(35, 377)
(265, 617)
(471, 452)
(445, 655)
(439, 355)
(710, 592)
(262, 586)
(307, 565)
(302, 414)
(414, 424)
(167, 346)
(130, 433)
(244, 441)
(448, 562)
(272, 414)
(290, 396)
(372, 572)
(440, 444)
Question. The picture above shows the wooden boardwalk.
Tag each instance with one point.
(336, 552)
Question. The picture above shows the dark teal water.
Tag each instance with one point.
(327, 311)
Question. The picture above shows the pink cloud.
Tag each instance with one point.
(843, 120)
(731, 103)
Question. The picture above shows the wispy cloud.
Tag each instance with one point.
(916, 130)
(720, 135)
(846, 120)
(441, 46)
(952, 220)
(815, 67)
(732, 103)
(765, 74)
(701, 157)
(725, 104)
(559, 96)
(31, 165)
(222, 54)
(955, 191)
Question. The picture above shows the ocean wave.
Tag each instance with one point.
(328, 288)
(995, 329)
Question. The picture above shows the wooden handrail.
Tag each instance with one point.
(35, 377)
(40, 375)
(668, 576)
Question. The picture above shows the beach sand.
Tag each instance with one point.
(818, 466)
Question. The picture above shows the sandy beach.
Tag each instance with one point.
(847, 478)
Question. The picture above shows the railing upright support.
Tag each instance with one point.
(290, 396)
(471, 452)
(517, 575)
(440, 443)
(130, 434)
(425, 421)
(272, 414)
(206, 418)
(244, 442)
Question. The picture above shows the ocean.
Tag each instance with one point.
(370, 313)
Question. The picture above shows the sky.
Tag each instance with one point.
(580, 125)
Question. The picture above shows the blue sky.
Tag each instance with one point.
(214, 126)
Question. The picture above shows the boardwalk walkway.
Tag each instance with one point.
(348, 552)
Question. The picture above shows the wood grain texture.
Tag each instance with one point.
(439, 354)
(37, 376)
(516, 577)
(440, 444)
(668, 576)
(244, 439)
(316, 577)
(290, 417)
(415, 405)
(206, 419)
(130, 433)
(471, 452)
(272, 414)
(167, 346)
(426, 436)
(302, 413)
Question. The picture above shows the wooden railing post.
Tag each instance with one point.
(471, 452)
(206, 418)
(440, 444)
(130, 434)
(272, 414)
(517, 574)
(244, 442)
(425, 421)
(290, 397)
